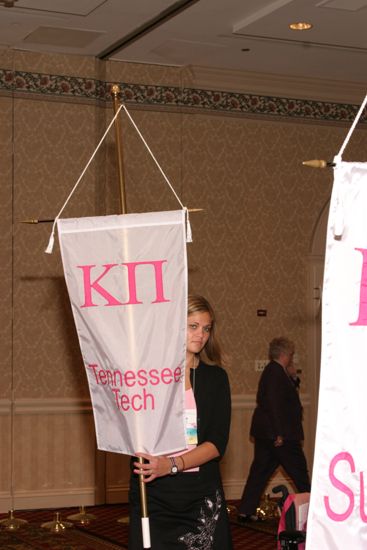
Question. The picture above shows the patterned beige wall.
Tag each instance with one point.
(6, 213)
(250, 250)
(53, 141)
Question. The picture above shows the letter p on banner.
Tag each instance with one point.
(127, 281)
(337, 515)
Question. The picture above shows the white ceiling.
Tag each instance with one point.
(208, 33)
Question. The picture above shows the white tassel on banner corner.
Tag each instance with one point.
(51, 243)
(188, 227)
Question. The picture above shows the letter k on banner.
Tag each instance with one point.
(338, 509)
(127, 282)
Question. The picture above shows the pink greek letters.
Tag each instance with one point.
(93, 278)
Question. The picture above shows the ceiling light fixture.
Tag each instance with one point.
(300, 26)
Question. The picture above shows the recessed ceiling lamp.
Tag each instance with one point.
(300, 26)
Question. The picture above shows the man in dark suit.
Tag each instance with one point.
(276, 428)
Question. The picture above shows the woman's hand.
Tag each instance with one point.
(156, 466)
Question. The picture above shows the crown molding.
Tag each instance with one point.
(273, 85)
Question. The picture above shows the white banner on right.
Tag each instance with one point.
(338, 509)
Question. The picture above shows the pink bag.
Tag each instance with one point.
(294, 515)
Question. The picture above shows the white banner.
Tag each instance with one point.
(127, 282)
(338, 511)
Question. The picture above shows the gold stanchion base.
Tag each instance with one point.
(11, 523)
(231, 510)
(124, 519)
(267, 509)
(57, 526)
(82, 517)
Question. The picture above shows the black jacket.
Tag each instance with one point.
(213, 403)
(279, 409)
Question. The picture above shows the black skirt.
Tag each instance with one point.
(186, 512)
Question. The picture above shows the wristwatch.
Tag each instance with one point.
(174, 468)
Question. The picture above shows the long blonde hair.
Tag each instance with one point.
(212, 348)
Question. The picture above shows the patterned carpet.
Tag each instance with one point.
(107, 533)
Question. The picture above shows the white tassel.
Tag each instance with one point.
(51, 243)
(188, 228)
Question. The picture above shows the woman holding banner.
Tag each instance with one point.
(186, 503)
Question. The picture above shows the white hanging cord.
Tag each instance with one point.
(52, 236)
(152, 155)
(338, 226)
(188, 226)
(355, 122)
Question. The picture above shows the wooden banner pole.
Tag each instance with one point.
(120, 163)
(120, 166)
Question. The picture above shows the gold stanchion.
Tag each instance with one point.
(37, 221)
(267, 509)
(82, 516)
(124, 519)
(57, 526)
(12, 523)
(231, 510)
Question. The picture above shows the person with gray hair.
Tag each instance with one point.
(276, 428)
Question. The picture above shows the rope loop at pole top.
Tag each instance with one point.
(351, 130)
(51, 242)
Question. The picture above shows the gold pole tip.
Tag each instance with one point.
(36, 221)
(316, 163)
(115, 89)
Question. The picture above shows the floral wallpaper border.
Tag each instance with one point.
(170, 96)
